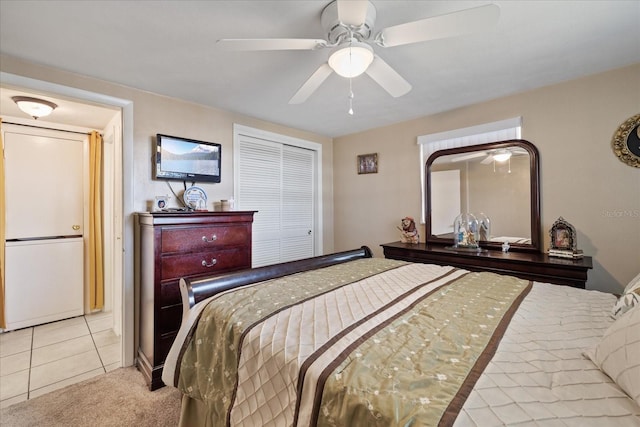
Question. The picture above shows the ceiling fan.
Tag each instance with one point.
(500, 155)
(349, 25)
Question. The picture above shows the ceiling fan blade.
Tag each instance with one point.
(271, 44)
(352, 12)
(470, 156)
(313, 83)
(388, 78)
(487, 160)
(450, 25)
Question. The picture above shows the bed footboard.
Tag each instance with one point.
(196, 290)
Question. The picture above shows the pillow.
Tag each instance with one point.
(633, 283)
(629, 298)
(618, 353)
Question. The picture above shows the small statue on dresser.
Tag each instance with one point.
(409, 230)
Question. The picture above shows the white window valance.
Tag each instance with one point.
(479, 134)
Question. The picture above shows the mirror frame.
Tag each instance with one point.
(534, 166)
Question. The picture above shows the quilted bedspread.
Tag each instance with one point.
(378, 342)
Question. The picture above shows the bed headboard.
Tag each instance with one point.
(196, 290)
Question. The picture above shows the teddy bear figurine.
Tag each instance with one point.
(409, 230)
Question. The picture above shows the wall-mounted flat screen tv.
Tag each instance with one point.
(187, 159)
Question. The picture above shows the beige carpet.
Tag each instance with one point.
(118, 398)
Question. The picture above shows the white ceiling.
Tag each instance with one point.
(168, 47)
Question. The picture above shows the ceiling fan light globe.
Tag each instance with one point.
(502, 157)
(351, 59)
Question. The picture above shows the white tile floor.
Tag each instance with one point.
(37, 360)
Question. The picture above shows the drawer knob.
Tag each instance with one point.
(213, 238)
(213, 262)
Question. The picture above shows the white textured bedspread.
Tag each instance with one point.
(539, 376)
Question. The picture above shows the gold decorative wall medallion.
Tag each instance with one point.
(626, 141)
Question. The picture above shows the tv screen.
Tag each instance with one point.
(187, 159)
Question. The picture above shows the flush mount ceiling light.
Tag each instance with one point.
(352, 58)
(34, 107)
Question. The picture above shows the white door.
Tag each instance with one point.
(277, 180)
(44, 185)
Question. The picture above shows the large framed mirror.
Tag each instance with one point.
(498, 181)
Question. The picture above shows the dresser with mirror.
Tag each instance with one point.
(499, 181)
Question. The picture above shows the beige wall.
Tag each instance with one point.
(159, 114)
(571, 123)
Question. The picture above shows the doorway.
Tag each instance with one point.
(121, 138)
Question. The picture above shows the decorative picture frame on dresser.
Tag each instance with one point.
(564, 242)
(368, 163)
(161, 203)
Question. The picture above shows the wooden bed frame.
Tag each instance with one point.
(193, 291)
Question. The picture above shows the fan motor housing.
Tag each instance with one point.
(336, 30)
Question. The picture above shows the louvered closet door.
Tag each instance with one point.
(297, 203)
(277, 180)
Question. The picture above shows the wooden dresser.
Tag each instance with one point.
(176, 245)
(526, 265)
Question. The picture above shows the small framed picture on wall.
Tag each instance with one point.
(368, 163)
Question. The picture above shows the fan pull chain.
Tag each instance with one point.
(350, 98)
(350, 87)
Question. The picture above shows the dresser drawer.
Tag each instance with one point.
(196, 239)
(169, 293)
(203, 263)
(164, 345)
(169, 320)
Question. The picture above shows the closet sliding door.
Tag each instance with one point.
(278, 181)
(297, 203)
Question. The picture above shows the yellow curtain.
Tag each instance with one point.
(96, 269)
(3, 209)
